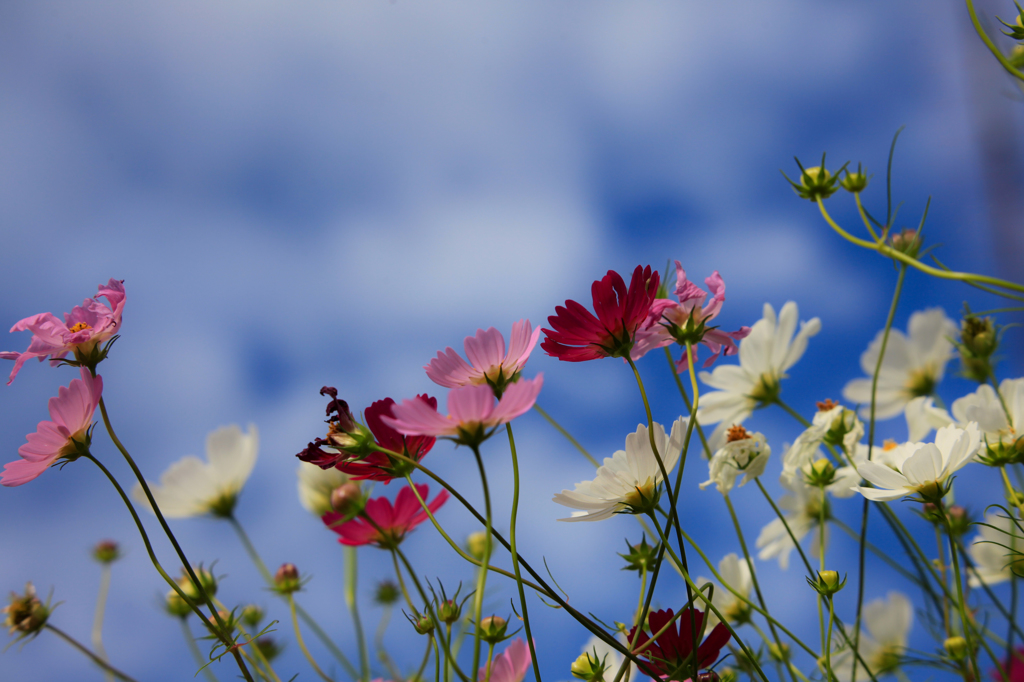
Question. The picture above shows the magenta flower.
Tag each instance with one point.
(687, 321)
(671, 654)
(394, 521)
(578, 335)
(65, 437)
(379, 466)
(81, 332)
(471, 411)
(510, 666)
(488, 361)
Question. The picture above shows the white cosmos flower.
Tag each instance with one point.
(804, 506)
(745, 453)
(887, 623)
(316, 486)
(922, 416)
(835, 425)
(920, 468)
(913, 365)
(736, 574)
(983, 406)
(629, 478)
(993, 550)
(768, 351)
(191, 487)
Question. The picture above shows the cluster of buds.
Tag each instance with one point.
(589, 667)
(344, 435)
(26, 615)
(979, 339)
(641, 557)
(286, 580)
(106, 552)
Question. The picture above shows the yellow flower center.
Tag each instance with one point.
(921, 381)
(889, 444)
(79, 326)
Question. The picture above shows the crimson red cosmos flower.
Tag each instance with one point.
(394, 521)
(1014, 667)
(378, 466)
(578, 335)
(669, 654)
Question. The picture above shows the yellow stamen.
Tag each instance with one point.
(889, 444)
(79, 326)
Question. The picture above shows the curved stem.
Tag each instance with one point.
(515, 553)
(193, 648)
(222, 631)
(991, 45)
(101, 607)
(250, 549)
(95, 659)
(481, 582)
(302, 643)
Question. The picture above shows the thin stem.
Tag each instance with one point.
(991, 45)
(793, 413)
(965, 623)
(785, 524)
(193, 648)
(351, 579)
(828, 642)
(302, 643)
(515, 553)
(303, 614)
(95, 659)
(101, 607)
(481, 582)
(568, 436)
(221, 631)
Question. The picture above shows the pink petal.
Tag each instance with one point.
(485, 350)
(517, 399)
(470, 404)
(417, 418)
(521, 344)
(21, 471)
(448, 369)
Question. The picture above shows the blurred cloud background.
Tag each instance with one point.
(322, 193)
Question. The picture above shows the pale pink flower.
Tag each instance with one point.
(82, 330)
(671, 322)
(488, 361)
(63, 437)
(510, 666)
(471, 411)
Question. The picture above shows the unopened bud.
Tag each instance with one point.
(817, 183)
(348, 499)
(708, 676)
(588, 667)
(641, 556)
(855, 182)
(286, 580)
(26, 615)
(777, 653)
(979, 339)
(827, 583)
(449, 611)
(176, 606)
(822, 473)
(476, 544)
(386, 593)
(207, 587)
(252, 615)
(908, 242)
(269, 647)
(956, 648)
(424, 625)
(106, 552)
(492, 629)
(959, 520)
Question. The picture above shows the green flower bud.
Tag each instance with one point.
(827, 583)
(175, 605)
(207, 584)
(908, 242)
(423, 625)
(588, 667)
(386, 593)
(348, 499)
(640, 557)
(476, 544)
(449, 611)
(956, 648)
(106, 552)
(779, 654)
(492, 629)
(269, 647)
(252, 615)
(822, 473)
(286, 580)
(855, 182)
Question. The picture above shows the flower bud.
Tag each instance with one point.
(640, 557)
(956, 648)
(386, 593)
(979, 339)
(424, 625)
(959, 520)
(269, 647)
(476, 544)
(348, 499)
(821, 473)
(816, 183)
(26, 615)
(492, 629)
(588, 667)
(106, 552)
(827, 583)
(449, 611)
(207, 584)
(1016, 57)
(708, 676)
(252, 615)
(728, 675)
(855, 182)
(286, 580)
(908, 242)
(779, 654)
(176, 606)
(931, 512)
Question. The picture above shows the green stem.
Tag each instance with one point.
(991, 45)
(964, 622)
(303, 614)
(222, 631)
(828, 642)
(302, 643)
(793, 413)
(95, 659)
(193, 648)
(351, 579)
(481, 583)
(568, 436)
(515, 553)
(97, 621)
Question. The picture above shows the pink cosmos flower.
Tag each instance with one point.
(378, 466)
(670, 322)
(82, 330)
(395, 521)
(510, 666)
(63, 437)
(472, 410)
(578, 335)
(488, 361)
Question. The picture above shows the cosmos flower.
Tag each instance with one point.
(81, 332)
(921, 468)
(996, 550)
(191, 487)
(379, 466)
(736, 574)
(578, 335)
(687, 321)
(913, 364)
(887, 625)
(674, 646)
(395, 521)
(66, 436)
(744, 453)
(510, 666)
(832, 424)
(472, 411)
(628, 481)
(923, 416)
(983, 406)
(488, 362)
(316, 485)
(765, 354)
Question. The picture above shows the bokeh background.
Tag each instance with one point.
(300, 194)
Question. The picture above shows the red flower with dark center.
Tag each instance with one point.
(378, 466)
(578, 335)
(670, 651)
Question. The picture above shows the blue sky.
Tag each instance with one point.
(328, 193)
